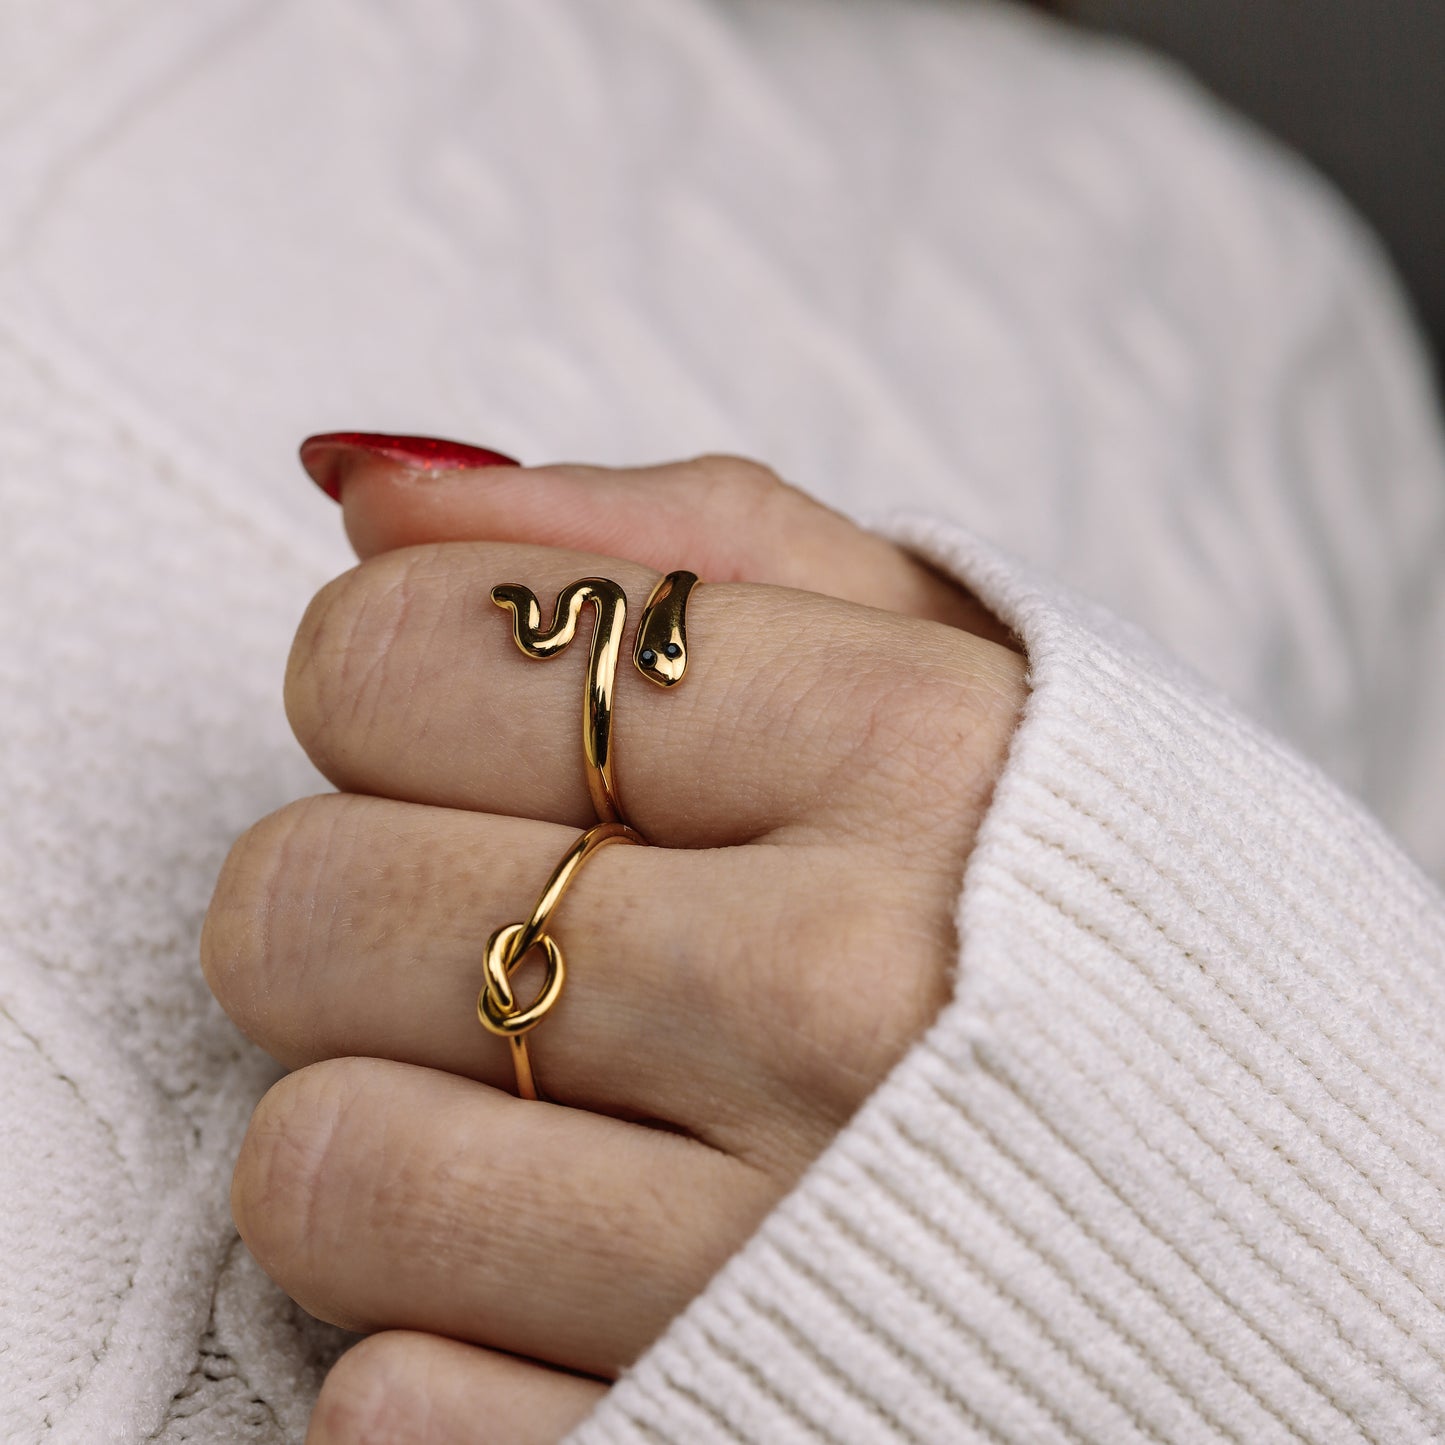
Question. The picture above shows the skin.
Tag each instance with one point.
(813, 790)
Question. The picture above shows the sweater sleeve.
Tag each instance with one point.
(1169, 1167)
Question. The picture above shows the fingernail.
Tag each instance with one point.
(328, 457)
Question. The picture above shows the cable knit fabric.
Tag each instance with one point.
(1169, 1167)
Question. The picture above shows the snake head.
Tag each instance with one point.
(660, 653)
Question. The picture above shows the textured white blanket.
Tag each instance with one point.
(942, 257)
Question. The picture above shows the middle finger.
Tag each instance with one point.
(405, 682)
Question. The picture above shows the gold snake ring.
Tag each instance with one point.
(660, 655)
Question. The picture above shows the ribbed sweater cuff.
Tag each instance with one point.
(1169, 1167)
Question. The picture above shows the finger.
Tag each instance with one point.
(408, 1388)
(723, 517)
(384, 1196)
(345, 925)
(405, 681)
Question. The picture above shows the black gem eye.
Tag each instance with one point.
(673, 650)
(647, 657)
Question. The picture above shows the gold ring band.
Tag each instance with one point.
(497, 1006)
(660, 655)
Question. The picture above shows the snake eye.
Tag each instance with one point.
(647, 657)
(673, 650)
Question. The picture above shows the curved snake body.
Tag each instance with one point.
(660, 655)
(611, 603)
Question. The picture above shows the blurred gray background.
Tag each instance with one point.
(1357, 85)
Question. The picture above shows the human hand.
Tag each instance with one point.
(813, 789)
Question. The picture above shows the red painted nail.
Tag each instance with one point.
(328, 457)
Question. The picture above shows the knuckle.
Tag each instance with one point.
(306, 689)
(945, 756)
(257, 938)
(919, 745)
(370, 1395)
(821, 938)
(347, 675)
(895, 725)
(740, 485)
(728, 469)
(866, 978)
(289, 1166)
(743, 499)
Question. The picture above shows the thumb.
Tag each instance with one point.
(725, 518)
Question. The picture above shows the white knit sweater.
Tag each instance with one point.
(1169, 1168)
